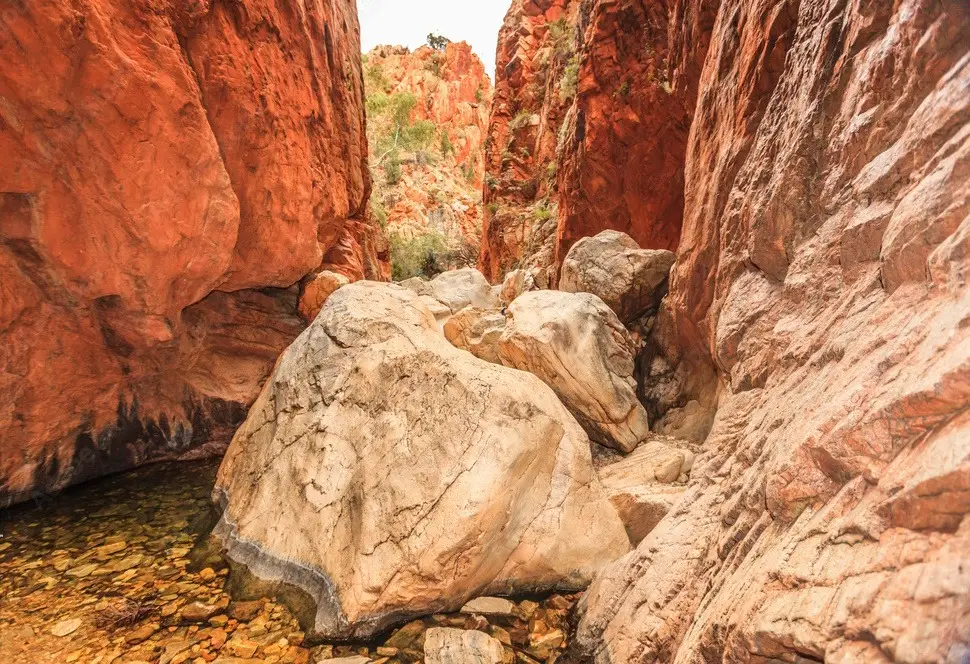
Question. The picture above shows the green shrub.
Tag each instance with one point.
(492, 208)
(569, 80)
(521, 119)
(479, 95)
(561, 37)
(374, 79)
(437, 42)
(392, 170)
(418, 256)
(491, 181)
(446, 146)
(541, 212)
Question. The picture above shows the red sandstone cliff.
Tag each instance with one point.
(433, 186)
(160, 161)
(535, 82)
(588, 131)
(820, 306)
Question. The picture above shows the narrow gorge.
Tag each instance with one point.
(652, 347)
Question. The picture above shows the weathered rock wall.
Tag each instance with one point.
(437, 189)
(160, 160)
(612, 88)
(534, 87)
(822, 278)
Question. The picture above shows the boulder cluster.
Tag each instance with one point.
(427, 443)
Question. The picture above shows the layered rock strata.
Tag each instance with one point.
(822, 281)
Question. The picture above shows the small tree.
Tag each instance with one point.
(438, 42)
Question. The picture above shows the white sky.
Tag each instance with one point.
(408, 22)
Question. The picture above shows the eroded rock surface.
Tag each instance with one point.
(155, 155)
(388, 474)
(577, 346)
(822, 276)
(612, 266)
(478, 331)
(457, 289)
(443, 645)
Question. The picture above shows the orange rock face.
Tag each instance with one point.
(820, 302)
(588, 131)
(157, 160)
(536, 63)
(438, 188)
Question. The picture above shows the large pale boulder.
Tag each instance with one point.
(612, 266)
(477, 331)
(577, 346)
(387, 474)
(457, 289)
(521, 281)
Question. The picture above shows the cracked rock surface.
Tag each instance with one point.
(612, 266)
(387, 474)
(577, 346)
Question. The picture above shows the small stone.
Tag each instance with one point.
(219, 621)
(542, 645)
(385, 651)
(242, 647)
(407, 636)
(296, 638)
(141, 633)
(173, 650)
(355, 659)
(128, 563)
(82, 571)
(102, 552)
(208, 574)
(169, 609)
(490, 606)
(558, 602)
(66, 627)
(443, 645)
(218, 638)
(527, 608)
(197, 612)
(245, 611)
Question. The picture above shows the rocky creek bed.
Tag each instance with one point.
(116, 571)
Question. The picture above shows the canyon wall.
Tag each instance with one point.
(820, 303)
(434, 187)
(171, 173)
(588, 129)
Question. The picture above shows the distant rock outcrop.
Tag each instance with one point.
(428, 111)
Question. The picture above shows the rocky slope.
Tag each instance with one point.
(428, 169)
(171, 173)
(820, 304)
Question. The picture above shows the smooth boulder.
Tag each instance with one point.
(577, 346)
(644, 485)
(444, 645)
(521, 281)
(612, 266)
(477, 330)
(467, 287)
(317, 289)
(386, 474)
